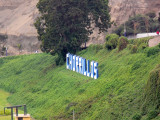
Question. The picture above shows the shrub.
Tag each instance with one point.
(7, 112)
(3, 37)
(159, 45)
(3, 48)
(81, 91)
(140, 41)
(152, 114)
(136, 65)
(134, 49)
(152, 91)
(154, 26)
(152, 51)
(95, 48)
(136, 117)
(129, 46)
(142, 46)
(111, 41)
(122, 43)
(141, 21)
(151, 14)
(60, 60)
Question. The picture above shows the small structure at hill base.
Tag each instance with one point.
(24, 116)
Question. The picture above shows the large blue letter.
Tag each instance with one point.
(74, 63)
(71, 61)
(84, 67)
(92, 69)
(95, 70)
(77, 64)
(67, 61)
(80, 65)
(88, 68)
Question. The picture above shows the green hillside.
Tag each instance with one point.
(51, 92)
(3, 103)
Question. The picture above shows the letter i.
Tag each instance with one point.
(77, 64)
(92, 69)
(84, 67)
(80, 65)
(67, 61)
(74, 63)
(88, 68)
(96, 70)
(71, 62)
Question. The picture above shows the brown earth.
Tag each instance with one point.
(17, 18)
(121, 10)
(17, 21)
(154, 42)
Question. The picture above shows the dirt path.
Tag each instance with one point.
(155, 41)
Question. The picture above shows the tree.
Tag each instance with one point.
(111, 41)
(159, 19)
(138, 24)
(3, 38)
(19, 47)
(64, 25)
(151, 15)
(3, 41)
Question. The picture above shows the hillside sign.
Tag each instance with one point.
(82, 66)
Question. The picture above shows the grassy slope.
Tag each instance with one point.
(3, 103)
(53, 92)
(3, 98)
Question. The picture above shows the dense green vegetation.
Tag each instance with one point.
(3, 38)
(111, 41)
(3, 103)
(64, 25)
(114, 41)
(120, 93)
(139, 24)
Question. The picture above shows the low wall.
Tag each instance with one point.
(142, 35)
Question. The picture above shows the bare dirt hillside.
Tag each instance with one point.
(17, 18)
(155, 41)
(121, 10)
(17, 21)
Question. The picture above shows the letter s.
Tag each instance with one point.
(96, 70)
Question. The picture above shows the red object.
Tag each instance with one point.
(157, 32)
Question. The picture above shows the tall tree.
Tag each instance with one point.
(64, 25)
(159, 20)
